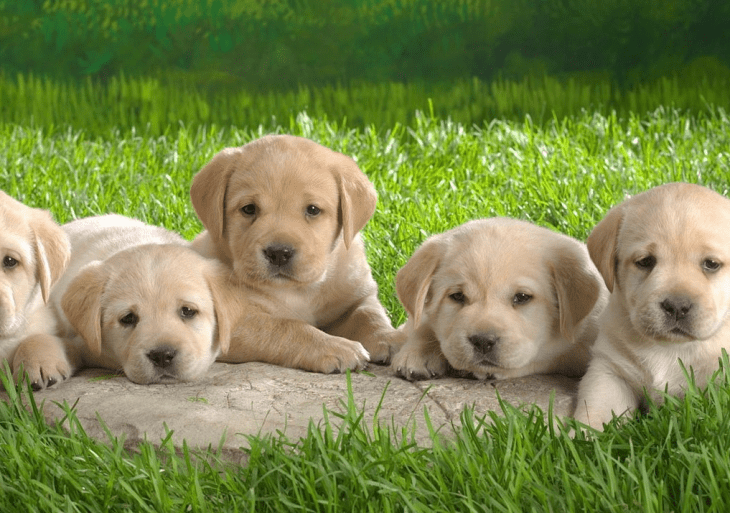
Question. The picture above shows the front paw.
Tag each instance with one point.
(43, 360)
(415, 365)
(345, 355)
(384, 345)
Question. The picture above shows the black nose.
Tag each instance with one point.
(162, 357)
(279, 254)
(676, 308)
(484, 342)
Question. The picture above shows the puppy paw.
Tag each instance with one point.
(384, 346)
(346, 355)
(414, 366)
(42, 359)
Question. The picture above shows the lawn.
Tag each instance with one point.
(431, 173)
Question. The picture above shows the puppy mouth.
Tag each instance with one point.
(671, 334)
(485, 361)
(280, 275)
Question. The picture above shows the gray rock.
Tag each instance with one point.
(256, 398)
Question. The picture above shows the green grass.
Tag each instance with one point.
(673, 459)
(431, 175)
(156, 107)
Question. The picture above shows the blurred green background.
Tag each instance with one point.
(284, 44)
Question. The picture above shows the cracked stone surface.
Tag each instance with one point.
(235, 400)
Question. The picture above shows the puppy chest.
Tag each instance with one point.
(295, 305)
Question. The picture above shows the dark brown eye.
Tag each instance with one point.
(521, 298)
(188, 313)
(313, 210)
(458, 297)
(9, 262)
(647, 263)
(131, 319)
(711, 265)
(249, 210)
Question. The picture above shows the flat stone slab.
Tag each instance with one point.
(234, 400)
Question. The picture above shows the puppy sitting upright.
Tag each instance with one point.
(663, 255)
(284, 213)
(34, 252)
(498, 298)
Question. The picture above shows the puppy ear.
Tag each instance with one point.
(226, 303)
(357, 197)
(576, 286)
(208, 191)
(414, 279)
(52, 250)
(602, 244)
(82, 304)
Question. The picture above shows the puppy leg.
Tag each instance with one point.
(369, 325)
(259, 337)
(420, 357)
(601, 394)
(43, 359)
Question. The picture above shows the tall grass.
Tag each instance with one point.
(513, 460)
(156, 106)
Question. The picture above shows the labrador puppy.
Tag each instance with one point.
(663, 255)
(34, 252)
(135, 298)
(498, 298)
(284, 214)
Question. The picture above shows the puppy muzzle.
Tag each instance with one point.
(678, 312)
(484, 346)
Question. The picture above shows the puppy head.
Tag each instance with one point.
(34, 251)
(277, 207)
(160, 312)
(665, 254)
(496, 291)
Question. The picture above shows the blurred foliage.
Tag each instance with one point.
(282, 43)
(157, 106)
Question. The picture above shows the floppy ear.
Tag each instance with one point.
(226, 303)
(82, 304)
(602, 244)
(414, 279)
(357, 197)
(208, 191)
(577, 288)
(52, 250)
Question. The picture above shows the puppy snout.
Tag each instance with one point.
(162, 357)
(676, 308)
(484, 342)
(279, 254)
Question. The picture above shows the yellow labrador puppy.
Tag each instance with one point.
(134, 298)
(34, 252)
(284, 214)
(498, 298)
(663, 255)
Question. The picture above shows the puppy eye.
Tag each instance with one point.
(458, 297)
(521, 298)
(249, 210)
(187, 313)
(647, 263)
(131, 319)
(313, 210)
(711, 265)
(9, 262)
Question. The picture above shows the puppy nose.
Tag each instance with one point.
(484, 342)
(279, 254)
(162, 357)
(676, 308)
